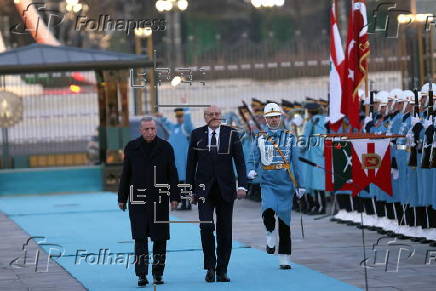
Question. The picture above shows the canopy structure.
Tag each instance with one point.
(111, 79)
(47, 58)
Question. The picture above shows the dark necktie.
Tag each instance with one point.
(213, 147)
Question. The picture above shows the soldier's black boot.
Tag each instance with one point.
(316, 203)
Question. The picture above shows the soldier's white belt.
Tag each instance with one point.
(403, 147)
(276, 166)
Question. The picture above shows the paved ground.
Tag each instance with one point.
(19, 277)
(330, 248)
(336, 250)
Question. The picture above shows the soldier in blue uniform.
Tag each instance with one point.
(405, 177)
(274, 150)
(425, 175)
(313, 150)
(179, 134)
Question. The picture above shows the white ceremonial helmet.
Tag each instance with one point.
(410, 96)
(382, 97)
(403, 98)
(395, 93)
(272, 109)
(426, 87)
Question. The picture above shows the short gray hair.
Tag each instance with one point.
(146, 119)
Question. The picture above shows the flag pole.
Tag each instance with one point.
(366, 93)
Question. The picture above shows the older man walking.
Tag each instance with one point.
(212, 151)
(149, 182)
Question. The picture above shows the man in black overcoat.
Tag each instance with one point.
(149, 182)
(213, 149)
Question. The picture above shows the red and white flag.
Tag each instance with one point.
(371, 163)
(337, 63)
(356, 63)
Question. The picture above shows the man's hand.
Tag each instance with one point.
(122, 206)
(174, 205)
(194, 199)
(241, 193)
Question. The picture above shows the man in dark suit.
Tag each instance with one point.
(212, 150)
(149, 181)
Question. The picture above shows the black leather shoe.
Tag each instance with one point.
(142, 281)
(210, 275)
(285, 267)
(222, 278)
(270, 251)
(157, 280)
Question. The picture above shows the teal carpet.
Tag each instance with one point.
(87, 223)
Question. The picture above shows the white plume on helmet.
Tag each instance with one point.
(272, 109)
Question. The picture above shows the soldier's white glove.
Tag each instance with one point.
(297, 120)
(300, 192)
(367, 120)
(427, 122)
(326, 120)
(252, 174)
(414, 120)
(395, 174)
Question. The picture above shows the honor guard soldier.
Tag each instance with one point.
(274, 150)
(313, 150)
(179, 134)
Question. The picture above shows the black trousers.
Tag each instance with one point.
(344, 201)
(285, 242)
(224, 213)
(142, 257)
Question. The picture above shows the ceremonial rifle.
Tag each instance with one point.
(415, 147)
(429, 131)
(252, 115)
(433, 147)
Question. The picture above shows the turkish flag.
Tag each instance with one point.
(356, 63)
(337, 66)
(371, 164)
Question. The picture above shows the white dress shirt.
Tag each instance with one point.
(217, 137)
